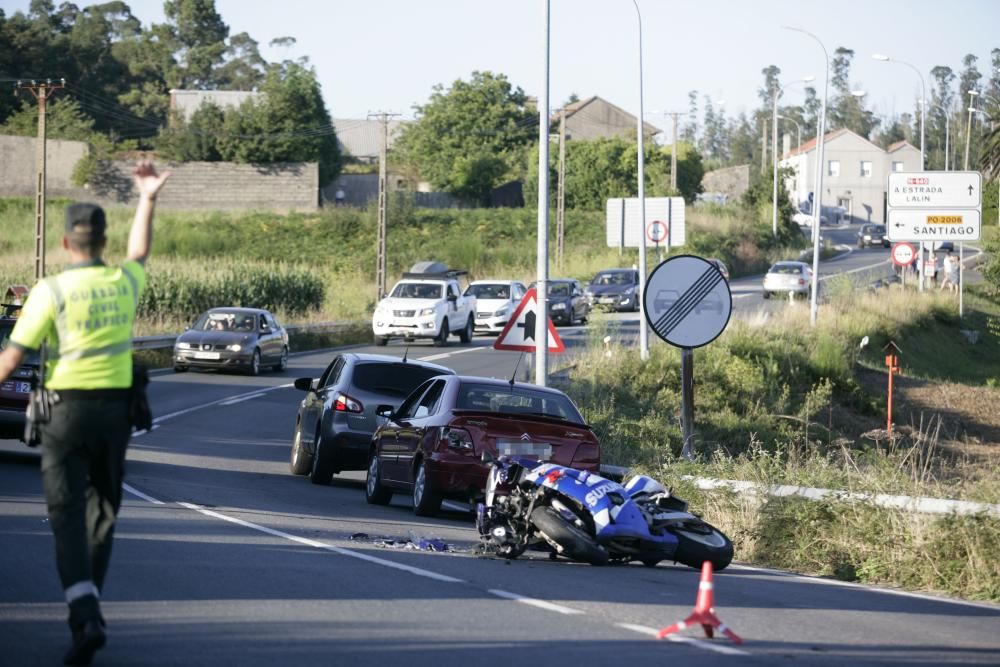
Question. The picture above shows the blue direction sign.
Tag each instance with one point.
(687, 301)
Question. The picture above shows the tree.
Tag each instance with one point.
(198, 140)
(597, 169)
(243, 67)
(847, 110)
(63, 120)
(199, 36)
(464, 134)
(288, 122)
(689, 133)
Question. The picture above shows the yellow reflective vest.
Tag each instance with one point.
(85, 314)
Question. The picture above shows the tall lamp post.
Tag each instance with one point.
(818, 190)
(947, 130)
(968, 129)
(923, 123)
(798, 129)
(923, 96)
(542, 295)
(643, 329)
(774, 150)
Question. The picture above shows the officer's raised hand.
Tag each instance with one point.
(148, 183)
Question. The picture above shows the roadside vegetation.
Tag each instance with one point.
(778, 402)
(321, 266)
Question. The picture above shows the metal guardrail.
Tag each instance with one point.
(167, 340)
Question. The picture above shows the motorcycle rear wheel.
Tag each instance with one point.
(576, 542)
(698, 541)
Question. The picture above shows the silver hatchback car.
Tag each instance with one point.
(785, 277)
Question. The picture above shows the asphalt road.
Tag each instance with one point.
(223, 556)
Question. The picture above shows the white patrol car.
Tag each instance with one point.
(426, 303)
(496, 301)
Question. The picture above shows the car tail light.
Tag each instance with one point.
(345, 403)
(802, 281)
(457, 438)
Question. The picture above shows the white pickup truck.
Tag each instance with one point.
(426, 303)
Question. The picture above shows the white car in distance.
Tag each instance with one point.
(496, 301)
(426, 303)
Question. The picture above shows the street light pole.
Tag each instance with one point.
(818, 191)
(968, 129)
(798, 129)
(643, 329)
(541, 293)
(923, 123)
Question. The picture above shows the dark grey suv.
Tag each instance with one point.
(336, 419)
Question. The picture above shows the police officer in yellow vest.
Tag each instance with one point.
(85, 316)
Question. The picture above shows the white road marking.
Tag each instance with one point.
(221, 401)
(137, 492)
(680, 639)
(420, 572)
(240, 400)
(541, 604)
(445, 355)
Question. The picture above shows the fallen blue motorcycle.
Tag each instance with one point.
(592, 519)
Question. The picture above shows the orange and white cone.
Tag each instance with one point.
(704, 611)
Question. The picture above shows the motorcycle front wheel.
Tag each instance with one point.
(698, 542)
(575, 541)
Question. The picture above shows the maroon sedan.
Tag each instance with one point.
(432, 445)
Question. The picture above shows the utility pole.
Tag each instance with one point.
(561, 191)
(42, 93)
(382, 196)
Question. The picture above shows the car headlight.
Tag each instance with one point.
(426, 311)
(502, 311)
(559, 306)
(235, 347)
(183, 346)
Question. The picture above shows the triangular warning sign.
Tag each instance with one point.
(519, 334)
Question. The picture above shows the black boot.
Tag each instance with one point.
(87, 640)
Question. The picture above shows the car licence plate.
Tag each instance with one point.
(606, 299)
(206, 355)
(541, 451)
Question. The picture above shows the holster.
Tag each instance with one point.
(38, 412)
(139, 414)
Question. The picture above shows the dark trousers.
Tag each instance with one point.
(83, 460)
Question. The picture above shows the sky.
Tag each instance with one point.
(387, 55)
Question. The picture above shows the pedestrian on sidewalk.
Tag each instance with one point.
(84, 316)
(950, 270)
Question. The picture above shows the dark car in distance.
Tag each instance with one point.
(432, 445)
(567, 303)
(15, 389)
(872, 234)
(240, 339)
(336, 419)
(616, 289)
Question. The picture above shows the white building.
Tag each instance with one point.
(855, 176)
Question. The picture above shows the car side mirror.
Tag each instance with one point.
(304, 384)
(487, 458)
(452, 297)
(385, 411)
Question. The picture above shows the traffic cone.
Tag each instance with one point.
(704, 610)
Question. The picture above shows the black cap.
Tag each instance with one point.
(85, 221)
